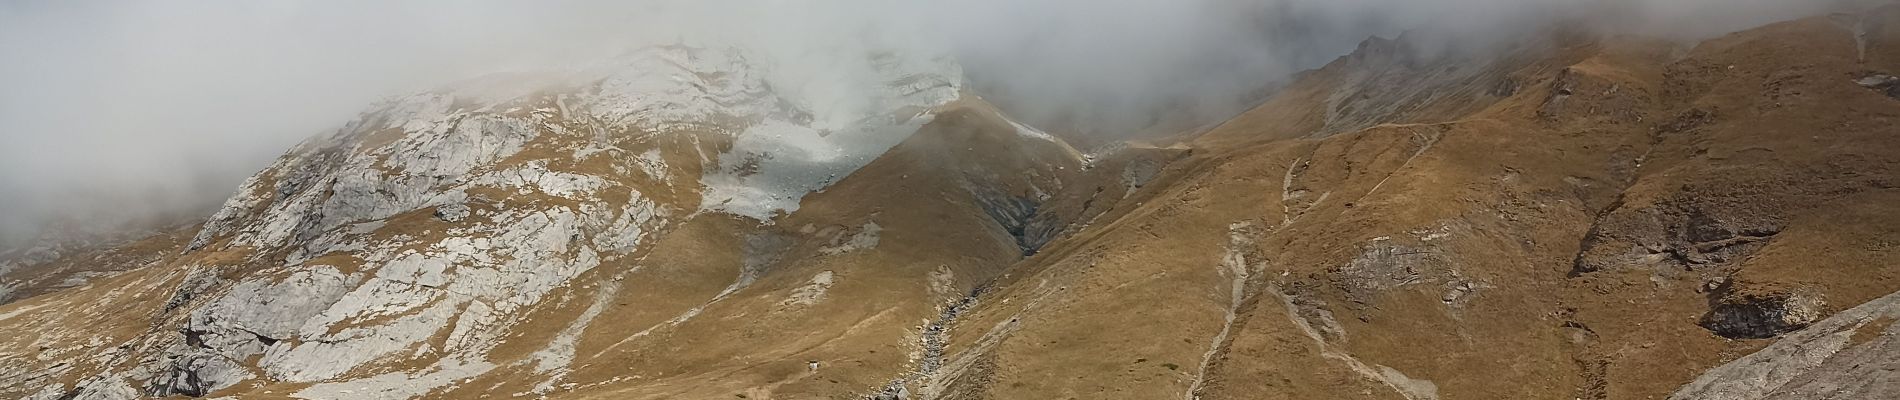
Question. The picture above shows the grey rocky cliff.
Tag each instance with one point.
(1849, 355)
(391, 258)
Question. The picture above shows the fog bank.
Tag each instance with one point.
(122, 110)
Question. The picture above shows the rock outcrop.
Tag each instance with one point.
(1847, 356)
(1574, 216)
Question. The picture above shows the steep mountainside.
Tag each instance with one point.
(1575, 216)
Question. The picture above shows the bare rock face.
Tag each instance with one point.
(1888, 84)
(1846, 356)
(509, 233)
(1702, 227)
(198, 374)
(1578, 217)
(1759, 315)
(419, 234)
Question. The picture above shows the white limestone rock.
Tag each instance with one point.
(1822, 361)
(351, 283)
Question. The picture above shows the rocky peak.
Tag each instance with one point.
(417, 233)
(1589, 219)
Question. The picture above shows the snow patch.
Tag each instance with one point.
(809, 145)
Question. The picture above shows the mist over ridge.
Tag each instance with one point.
(125, 111)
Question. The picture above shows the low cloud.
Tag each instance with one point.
(122, 110)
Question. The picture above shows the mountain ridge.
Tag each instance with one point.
(1602, 217)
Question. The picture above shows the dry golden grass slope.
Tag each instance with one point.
(1573, 217)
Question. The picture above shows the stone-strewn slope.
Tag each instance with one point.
(1582, 217)
(1574, 216)
(398, 255)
